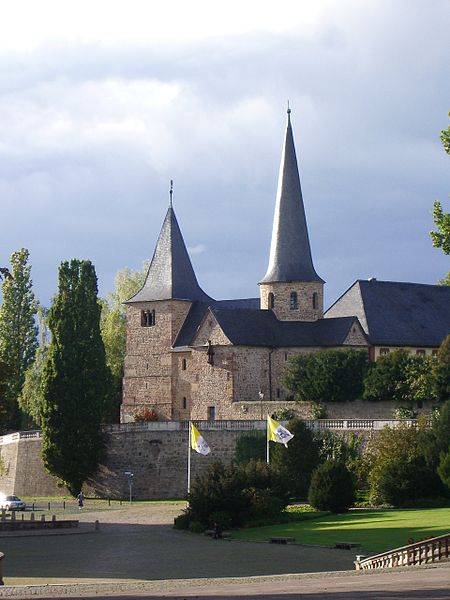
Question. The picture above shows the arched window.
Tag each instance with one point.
(271, 300)
(294, 301)
(315, 300)
(148, 318)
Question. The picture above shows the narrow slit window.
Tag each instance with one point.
(315, 300)
(271, 300)
(294, 301)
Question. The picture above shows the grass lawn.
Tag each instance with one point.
(376, 530)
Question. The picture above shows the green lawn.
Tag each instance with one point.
(376, 530)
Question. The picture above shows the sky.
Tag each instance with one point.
(102, 103)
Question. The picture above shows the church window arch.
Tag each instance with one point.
(148, 318)
(294, 301)
(271, 300)
(315, 300)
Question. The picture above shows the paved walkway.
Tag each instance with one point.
(137, 553)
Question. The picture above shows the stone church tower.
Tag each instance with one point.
(189, 356)
(291, 286)
(155, 315)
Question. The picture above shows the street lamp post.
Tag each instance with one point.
(129, 475)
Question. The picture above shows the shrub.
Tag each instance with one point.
(296, 463)
(328, 376)
(181, 522)
(404, 483)
(233, 495)
(332, 487)
(196, 527)
(250, 447)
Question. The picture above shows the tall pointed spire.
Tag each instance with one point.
(170, 275)
(290, 253)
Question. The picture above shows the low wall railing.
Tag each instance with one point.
(233, 425)
(426, 551)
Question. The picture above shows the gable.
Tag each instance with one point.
(210, 331)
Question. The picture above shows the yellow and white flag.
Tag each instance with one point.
(278, 433)
(198, 442)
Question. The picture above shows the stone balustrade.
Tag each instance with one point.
(426, 551)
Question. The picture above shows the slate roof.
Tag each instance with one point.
(170, 275)
(397, 313)
(255, 327)
(290, 252)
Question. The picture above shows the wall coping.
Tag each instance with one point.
(231, 425)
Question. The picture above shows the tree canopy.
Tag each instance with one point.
(18, 334)
(75, 378)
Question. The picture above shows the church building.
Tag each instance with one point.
(189, 356)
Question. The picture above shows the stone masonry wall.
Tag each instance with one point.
(147, 379)
(282, 300)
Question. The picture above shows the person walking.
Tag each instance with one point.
(80, 500)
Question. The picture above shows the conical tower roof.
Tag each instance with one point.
(290, 253)
(170, 275)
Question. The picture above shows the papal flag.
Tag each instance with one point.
(278, 433)
(198, 442)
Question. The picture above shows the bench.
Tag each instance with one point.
(282, 540)
(346, 545)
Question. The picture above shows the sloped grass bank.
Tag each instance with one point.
(376, 530)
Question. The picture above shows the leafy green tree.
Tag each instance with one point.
(18, 333)
(332, 487)
(31, 399)
(386, 378)
(444, 469)
(441, 237)
(250, 447)
(401, 454)
(113, 331)
(328, 376)
(296, 463)
(441, 372)
(75, 378)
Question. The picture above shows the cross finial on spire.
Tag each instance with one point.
(171, 193)
(288, 109)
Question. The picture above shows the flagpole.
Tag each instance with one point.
(267, 441)
(189, 461)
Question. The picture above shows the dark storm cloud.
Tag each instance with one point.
(90, 135)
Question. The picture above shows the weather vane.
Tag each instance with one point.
(171, 193)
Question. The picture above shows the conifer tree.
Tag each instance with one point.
(75, 378)
(18, 334)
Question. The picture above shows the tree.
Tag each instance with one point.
(386, 379)
(296, 463)
(18, 333)
(75, 378)
(31, 399)
(331, 375)
(441, 237)
(332, 487)
(113, 331)
(441, 371)
(401, 464)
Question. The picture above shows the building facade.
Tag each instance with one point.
(189, 356)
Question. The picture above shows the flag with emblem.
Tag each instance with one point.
(198, 442)
(278, 433)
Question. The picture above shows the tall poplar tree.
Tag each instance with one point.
(113, 330)
(18, 335)
(75, 378)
